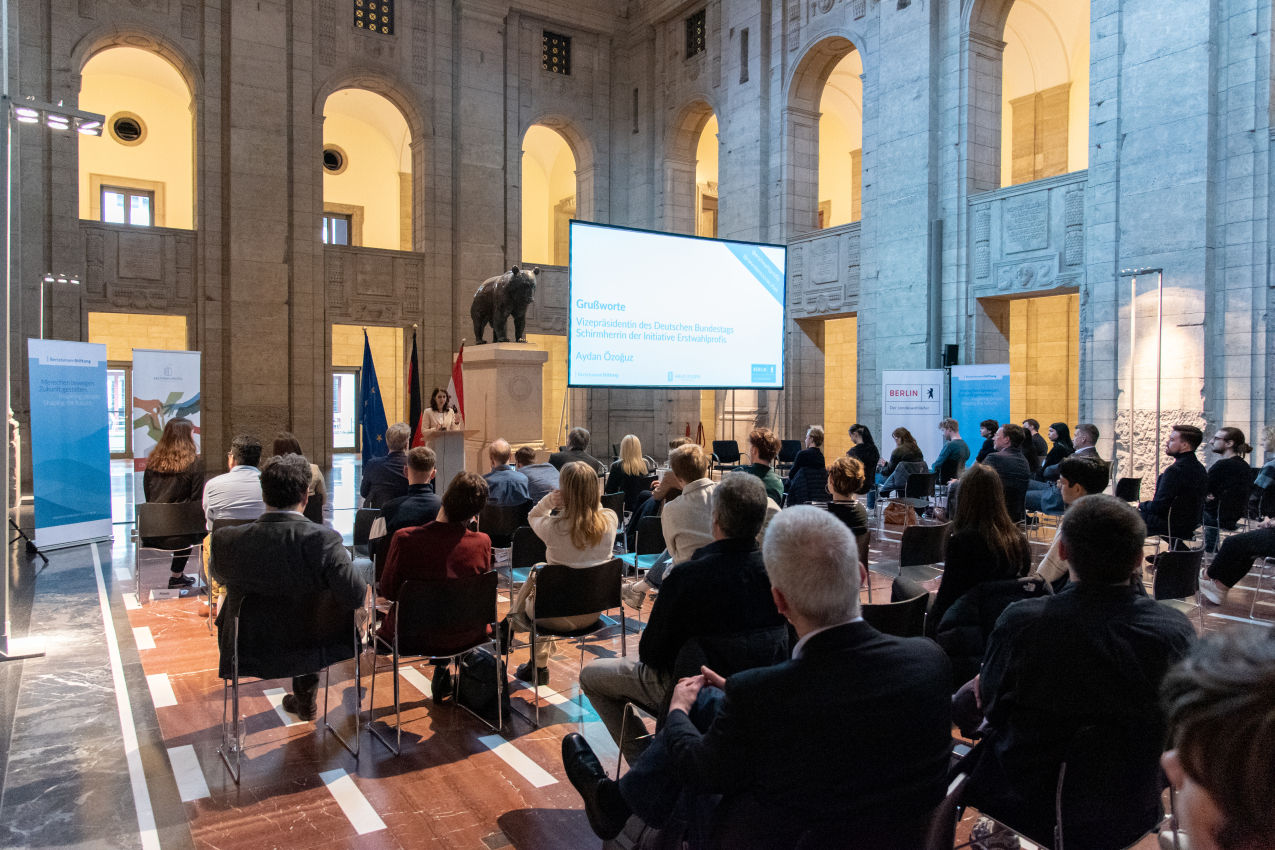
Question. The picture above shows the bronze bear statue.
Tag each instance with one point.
(500, 297)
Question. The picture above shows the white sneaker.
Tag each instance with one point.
(633, 597)
(1213, 590)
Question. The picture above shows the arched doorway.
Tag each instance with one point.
(548, 196)
(367, 172)
(141, 170)
(841, 144)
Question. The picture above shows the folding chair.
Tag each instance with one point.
(918, 488)
(920, 548)
(563, 591)
(1177, 578)
(648, 544)
(163, 521)
(425, 610)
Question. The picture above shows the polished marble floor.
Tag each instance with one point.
(126, 706)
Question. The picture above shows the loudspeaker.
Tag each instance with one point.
(950, 355)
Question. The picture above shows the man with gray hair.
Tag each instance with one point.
(506, 485)
(721, 594)
(849, 741)
(383, 477)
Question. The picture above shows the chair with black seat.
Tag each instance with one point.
(726, 455)
(172, 527)
(439, 619)
(499, 522)
(276, 637)
(1128, 489)
(904, 616)
(563, 591)
(788, 451)
(919, 550)
(615, 503)
(918, 489)
(648, 544)
(1177, 579)
(807, 485)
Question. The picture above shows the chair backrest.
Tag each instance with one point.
(919, 485)
(615, 503)
(1109, 787)
(922, 544)
(499, 522)
(170, 519)
(229, 523)
(563, 591)
(732, 652)
(314, 508)
(1129, 489)
(650, 536)
(843, 512)
(363, 519)
(788, 450)
(807, 485)
(864, 541)
(727, 451)
(1177, 574)
(903, 619)
(526, 548)
(286, 635)
(444, 616)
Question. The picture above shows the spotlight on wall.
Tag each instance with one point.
(49, 279)
(56, 116)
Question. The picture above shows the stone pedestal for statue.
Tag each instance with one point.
(503, 398)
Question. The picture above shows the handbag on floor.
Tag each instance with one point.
(476, 685)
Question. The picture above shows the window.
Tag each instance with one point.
(117, 410)
(334, 159)
(344, 411)
(696, 34)
(336, 229)
(374, 15)
(128, 206)
(555, 53)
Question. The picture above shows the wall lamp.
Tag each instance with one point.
(49, 279)
(56, 116)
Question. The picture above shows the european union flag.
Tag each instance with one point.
(372, 418)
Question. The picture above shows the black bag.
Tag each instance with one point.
(476, 686)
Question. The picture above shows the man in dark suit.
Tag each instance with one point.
(1047, 495)
(383, 477)
(847, 744)
(303, 566)
(722, 593)
(1089, 658)
(421, 503)
(577, 449)
(1011, 466)
(1177, 508)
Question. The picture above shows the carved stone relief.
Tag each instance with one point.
(1032, 274)
(1025, 223)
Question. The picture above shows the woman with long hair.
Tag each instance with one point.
(578, 532)
(441, 415)
(175, 473)
(845, 477)
(1060, 436)
(317, 508)
(629, 474)
(866, 452)
(982, 544)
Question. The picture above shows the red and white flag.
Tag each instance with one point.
(456, 386)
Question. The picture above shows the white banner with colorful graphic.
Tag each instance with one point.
(913, 399)
(70, 449)
(165, 386)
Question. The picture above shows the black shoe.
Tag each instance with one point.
(504, 635)
(293, 705)
(602, 802)
(523, 672)
(440, 687)
(177, 580)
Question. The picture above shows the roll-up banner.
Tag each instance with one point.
(979, 393)
(70, 451)
(913, 399)
(165, 386)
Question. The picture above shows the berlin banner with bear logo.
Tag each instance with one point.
(913, 399)
(165, 386)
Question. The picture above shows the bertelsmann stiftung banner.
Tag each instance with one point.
(70, 451)
(165, 386)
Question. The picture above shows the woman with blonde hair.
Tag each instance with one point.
(629, 474)
(175, 473)
(577, 532)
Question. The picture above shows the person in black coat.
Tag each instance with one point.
(421, 503)
(1177, 508)
(808, 476)
(577, 449)
(986, 429)
(175, 473)
(1230, 480)
(303, 571)
(1010, 465)
(847, 744)
(383, 477)
(866, 452)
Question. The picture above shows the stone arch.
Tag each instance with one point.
(678, 171)
(142, 38)
(804, 89)
(582, 151)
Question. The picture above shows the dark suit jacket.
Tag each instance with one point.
(1090, 655)
(300, 577)
(384, 479)
(1012, 467)
(561, 459)
(1052, 471)
(722, 589)
(852, 739)
(418, 507)
(1180, 489)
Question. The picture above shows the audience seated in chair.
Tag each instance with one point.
(629, 474)
(542, 478)
(807, 477)
(1045, 496)
(1089, 658)
(1010, 465)
(234, 495)
(850, 738)
(420, 504)
(175, 474)
(442, 548)
(577, 532)
(383, 477)
(1235, 558)
(845, 478)
(954, 454)
(1079, 475)
(577, 449)
(283, 554)
(986, 430)
(317, 506)
(506, 485)
(905, 451)
(722, 591)
(1230, 481)
(866, 452)
(763, 446)
(1177, 508)
(1220, 703)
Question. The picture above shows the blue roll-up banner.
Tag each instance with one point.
(978, 393)
(70, 453)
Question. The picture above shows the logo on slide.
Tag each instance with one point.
(763, 373)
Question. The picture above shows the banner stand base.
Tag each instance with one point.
(32, 549)
(16, 649)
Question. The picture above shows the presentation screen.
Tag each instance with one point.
(661, 310)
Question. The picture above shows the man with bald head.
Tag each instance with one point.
(506, 485)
